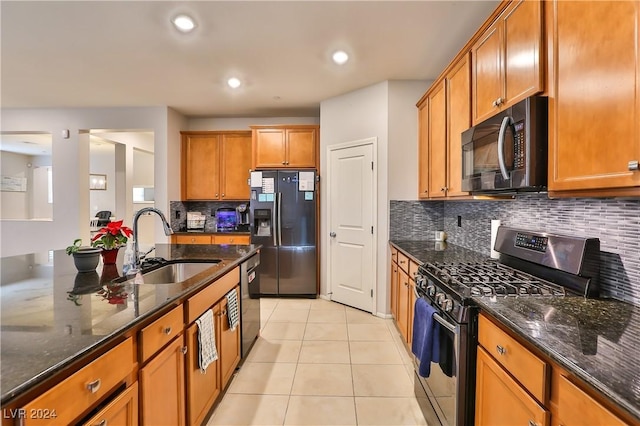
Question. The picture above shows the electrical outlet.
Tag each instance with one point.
(459, 221)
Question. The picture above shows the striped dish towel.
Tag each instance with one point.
(232, 309)
(207, 352)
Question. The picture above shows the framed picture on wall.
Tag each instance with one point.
(98, 182)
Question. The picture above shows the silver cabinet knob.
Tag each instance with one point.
(633, 166)
(332, 234)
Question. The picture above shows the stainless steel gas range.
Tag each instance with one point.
(531, 264)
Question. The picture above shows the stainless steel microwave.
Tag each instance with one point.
(508, 152)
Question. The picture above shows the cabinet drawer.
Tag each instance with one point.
(575, 407)
(203, 300)
(403, 262)
(413, 270)
(123, 410)
(193, 239)
(394, 254)
(230, 239)
(527, 368)
(70, 398)
(160, 332)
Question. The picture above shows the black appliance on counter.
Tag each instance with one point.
(507, 152)
(283, 221)
(531, 264)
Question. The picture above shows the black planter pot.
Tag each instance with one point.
(87, 259)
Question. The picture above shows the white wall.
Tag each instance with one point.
(102, 161)
(245, 123)
(403, 138)
(15, 205)
(385, 111)
(71, 169)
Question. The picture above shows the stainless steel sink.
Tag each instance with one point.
(176, 272)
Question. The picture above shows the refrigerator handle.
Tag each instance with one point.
(279, 218)
(275, 225)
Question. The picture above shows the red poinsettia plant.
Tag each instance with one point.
(112, 236)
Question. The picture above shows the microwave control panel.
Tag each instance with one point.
(519, 145)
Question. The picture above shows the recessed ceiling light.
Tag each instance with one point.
(184, 23)
(340, 57)
(234, 83)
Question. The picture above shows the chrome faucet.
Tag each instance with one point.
(165, 224)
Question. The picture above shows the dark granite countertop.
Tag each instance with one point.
(52, 316)
(597, 340)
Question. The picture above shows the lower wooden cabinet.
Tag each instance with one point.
(229, 341)
(402, 295)
(500, 400)
(122, 411)
(394, 283)
(202, 387)
(162, 386)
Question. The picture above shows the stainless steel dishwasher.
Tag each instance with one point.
(250, 302)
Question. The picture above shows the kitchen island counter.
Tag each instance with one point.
(52, 316)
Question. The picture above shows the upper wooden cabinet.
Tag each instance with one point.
(443, 115)
(594, 109)
(215, 165)
(506, 59)
(277, 147)
(423, 148)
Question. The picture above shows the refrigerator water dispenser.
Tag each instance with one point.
(262, 219)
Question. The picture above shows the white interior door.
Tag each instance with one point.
(351, 216)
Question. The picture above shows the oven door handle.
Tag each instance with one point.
(446, 324)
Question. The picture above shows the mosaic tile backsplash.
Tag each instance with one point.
(615, 222)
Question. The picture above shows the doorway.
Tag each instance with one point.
(352, 174)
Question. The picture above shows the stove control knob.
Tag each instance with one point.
(420, 280)
(439, 298)
(447, 305)
(431, 290)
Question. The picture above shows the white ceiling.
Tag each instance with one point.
(125, 53)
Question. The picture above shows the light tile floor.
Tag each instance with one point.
(322, 363)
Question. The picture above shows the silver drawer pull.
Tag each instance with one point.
(633, 166)
(94, 386)
(167, 331)
(501, 350)
(103, 422)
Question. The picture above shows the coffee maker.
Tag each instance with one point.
(243, 217)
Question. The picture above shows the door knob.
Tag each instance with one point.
(332, 234)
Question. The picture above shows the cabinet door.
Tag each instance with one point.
(594, 120)
(423, 150)
(522, 22)
(268, 148)
(162, 387)
(438, 141)
(575, 407)
(201, 174)
(403, 304)
(122, 411)
(487, 72)
(229, 342)
(236, 162)
(500, 400)
(458, 120)
(301, 148)
(394, 290)
(202, 388)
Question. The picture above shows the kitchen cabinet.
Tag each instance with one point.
(402, 294)
(444, 113)
(423, 148)
(279, 147)
(508, 372)
(162, 386)
(215, 165)
(507, 59)
(122, 411)
(594, 105)
(500, 400)
(211, 239)
(69, 399)
(204, 388)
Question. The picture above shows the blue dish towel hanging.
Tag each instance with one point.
(425, 343)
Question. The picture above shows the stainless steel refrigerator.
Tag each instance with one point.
(283, 221)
